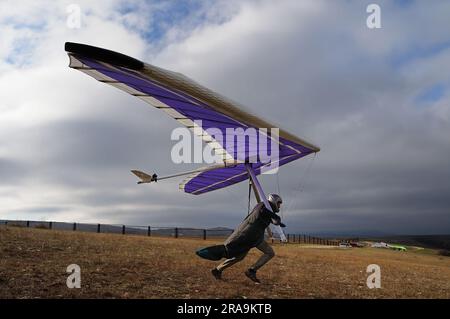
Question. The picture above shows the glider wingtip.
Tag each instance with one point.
(104, 55)
(68, 46)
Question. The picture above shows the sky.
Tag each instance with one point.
(377, 102)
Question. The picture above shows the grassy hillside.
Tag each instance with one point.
(33, 265)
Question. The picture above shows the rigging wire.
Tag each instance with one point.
(299, 188)
(302, 182)
(249, 195)
(238, 198)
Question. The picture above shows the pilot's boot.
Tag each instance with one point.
(251, 273)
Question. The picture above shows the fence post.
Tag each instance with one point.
(149, 231)
(287, 237)
(50, 225)
(98, 228)
(204, 234)
(28, 223)
(123, 229)
(74, 226)
(176, 232)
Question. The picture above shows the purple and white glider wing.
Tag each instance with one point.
(190, 103)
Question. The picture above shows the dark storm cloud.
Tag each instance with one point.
(41, 210)
(86, 149)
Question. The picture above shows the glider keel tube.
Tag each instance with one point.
(147, 178)
(252, 176)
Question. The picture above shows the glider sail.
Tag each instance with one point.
(189, 103)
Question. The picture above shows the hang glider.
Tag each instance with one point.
(188, 102)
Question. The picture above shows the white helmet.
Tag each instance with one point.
(274, 200)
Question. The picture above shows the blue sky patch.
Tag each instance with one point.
(163, 17)
(432, 94)
(414, 53)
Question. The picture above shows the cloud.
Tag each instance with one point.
(67, 142)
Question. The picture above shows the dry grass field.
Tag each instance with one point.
(33, 265)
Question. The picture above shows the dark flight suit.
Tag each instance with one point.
(249, 234)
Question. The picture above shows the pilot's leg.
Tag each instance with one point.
(231, 261)
(268, 255)
(217, 272)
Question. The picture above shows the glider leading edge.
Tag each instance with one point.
(188, 102)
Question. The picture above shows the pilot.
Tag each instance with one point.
(250, 234)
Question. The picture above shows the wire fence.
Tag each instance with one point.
(156, 231)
